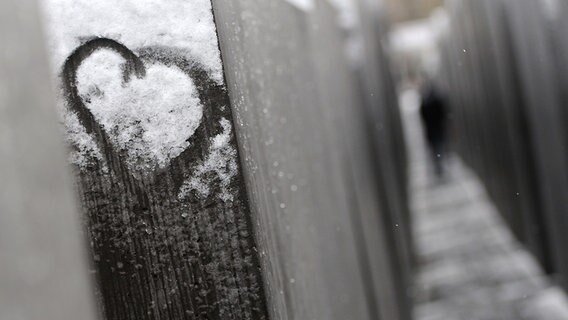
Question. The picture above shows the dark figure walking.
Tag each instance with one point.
(433, 111)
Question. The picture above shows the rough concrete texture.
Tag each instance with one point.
(148, 117)
(304, 141)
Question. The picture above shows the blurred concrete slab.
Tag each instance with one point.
(43, 266)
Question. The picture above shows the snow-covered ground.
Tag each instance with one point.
(469, 265)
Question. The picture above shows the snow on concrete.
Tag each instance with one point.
(149, 119)
(220, 161)
(182, 24)
(84, 148)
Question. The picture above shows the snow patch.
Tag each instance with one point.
(183, 24)
(149, 118)
(84, 151)
(221, 161)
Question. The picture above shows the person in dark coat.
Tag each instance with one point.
(434, 114)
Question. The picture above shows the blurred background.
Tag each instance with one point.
(485, 237)
(284, 159)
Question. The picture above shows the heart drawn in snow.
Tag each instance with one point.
(145, 111)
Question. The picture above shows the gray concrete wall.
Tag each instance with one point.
(506, 62)
(305, 137)
(43, 269)
(319, 187)
(544, 116)
(149, 123)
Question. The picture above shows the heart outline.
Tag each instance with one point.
(209, 92)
